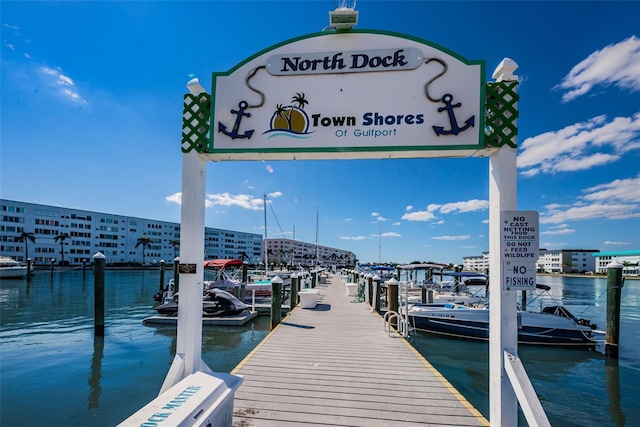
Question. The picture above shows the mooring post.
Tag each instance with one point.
(161, 286)
(84, 268)
(52, 264)
(376, 302)
(98, 293)
(293, 294)
(276, 301)
(392, 295)
(29, 266)
(614, 292)
(314, 278)
(176, 274)
(374, 282)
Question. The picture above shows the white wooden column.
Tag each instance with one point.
(188, 357)
(503, 328)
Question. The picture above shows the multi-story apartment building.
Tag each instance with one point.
(476, 263)
(630, 261)
(550, 261)
(294, 252)
(115, 236)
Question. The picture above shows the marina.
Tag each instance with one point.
(345, 371)
(48, 348)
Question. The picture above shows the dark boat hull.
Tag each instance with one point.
(456, 326)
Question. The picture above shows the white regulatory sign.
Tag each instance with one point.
(519, 275)
(519, 236)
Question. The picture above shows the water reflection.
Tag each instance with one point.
(95, 373)
(612, 373)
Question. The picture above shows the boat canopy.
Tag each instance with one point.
(464, 274)
(421, 267)
(222, 263)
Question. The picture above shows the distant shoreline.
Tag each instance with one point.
(588, 276)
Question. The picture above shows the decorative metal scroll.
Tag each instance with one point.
(195, 122)
(501, 123)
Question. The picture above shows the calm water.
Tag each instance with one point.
(54, 372)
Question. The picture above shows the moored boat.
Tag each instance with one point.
(12, 269)
(552, 326)
(215, 303)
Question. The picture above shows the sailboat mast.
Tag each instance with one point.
(380, 243)
(266, 246)
(317, 255)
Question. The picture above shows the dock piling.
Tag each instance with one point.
(392, 295)
(614, 292)
(98, 293)
(276, 301)
(161, 286)
(293, 295)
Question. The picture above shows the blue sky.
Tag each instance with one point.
(92, 107)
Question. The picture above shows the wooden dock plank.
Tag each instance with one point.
(335, 365)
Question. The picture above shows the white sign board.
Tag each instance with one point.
(519, 249)
(518, 275)
(356, 94)
(519, 236)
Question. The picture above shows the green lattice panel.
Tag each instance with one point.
(195, 122)
(501, 114)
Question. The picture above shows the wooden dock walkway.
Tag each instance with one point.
(335, 365)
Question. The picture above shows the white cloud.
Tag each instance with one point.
(353, 237)
(61, 84)
(391, 234)
(558, 230)
(608, 242)
(408, 208)
(452, 238)
(418, 216)
(244, 201)
(615, 64)
(615, 200)
(455, 207)
(378, 217)
(468, 206)
(580, 146)
(174, 198)
(622, 190)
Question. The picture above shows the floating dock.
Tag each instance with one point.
(335, 365)
(237, 320)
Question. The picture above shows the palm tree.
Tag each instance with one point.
(61, 238)
(25, 236)
(145, 241)
(175, 244)
(299, 99)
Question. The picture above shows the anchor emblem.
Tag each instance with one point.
(236, 125)
(455, 129)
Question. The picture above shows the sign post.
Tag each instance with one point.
(519, 249)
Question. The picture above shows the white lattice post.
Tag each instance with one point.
(503, 332)
(188, 358)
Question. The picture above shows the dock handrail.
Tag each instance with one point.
(527, 397)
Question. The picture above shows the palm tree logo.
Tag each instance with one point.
(291, 119)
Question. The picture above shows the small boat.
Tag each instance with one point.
(552, 326)
(12, 269)
(215, 303)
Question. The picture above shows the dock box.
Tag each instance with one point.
(201, 399)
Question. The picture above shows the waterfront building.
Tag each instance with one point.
(295, 252)
(476, 262)
(115, 236)
(550, 261)
(630, 261)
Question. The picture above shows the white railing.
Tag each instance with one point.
(402, 315)
(527, 397)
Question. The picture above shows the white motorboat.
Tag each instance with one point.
(12, 269)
